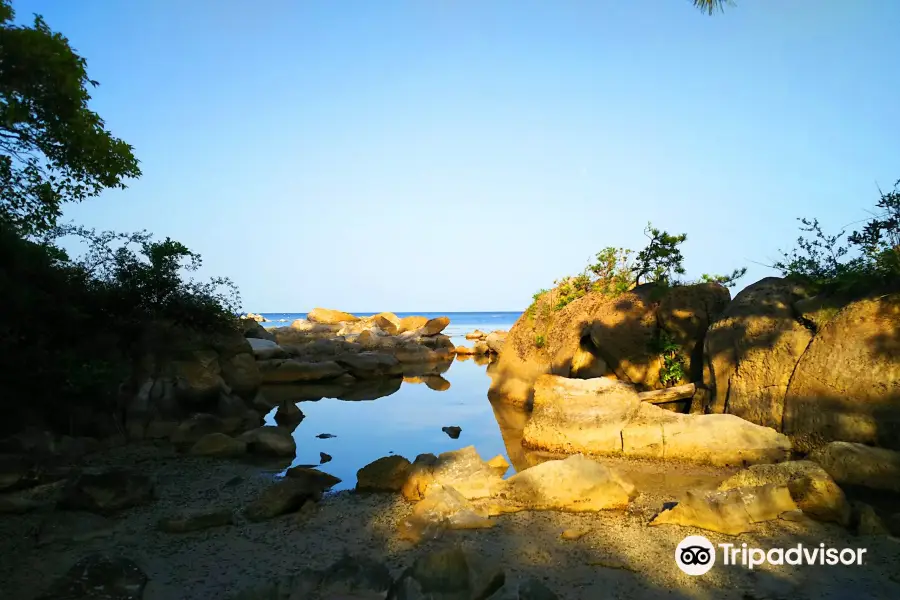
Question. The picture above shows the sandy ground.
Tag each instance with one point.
(621, 557)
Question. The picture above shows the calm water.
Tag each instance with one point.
(409, 421)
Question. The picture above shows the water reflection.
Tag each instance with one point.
(406, 417)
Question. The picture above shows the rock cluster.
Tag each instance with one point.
(333, 346)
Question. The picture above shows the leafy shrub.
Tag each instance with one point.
(539, 341)
(612, 270)
(673, 369)
(70, 330)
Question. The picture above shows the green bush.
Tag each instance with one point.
(673, 368)
(71, 330)
(539, 341)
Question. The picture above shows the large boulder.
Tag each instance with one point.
(387, 474)
(411, 323)
(241, 374)
(251, 329)
(198, 377)
(722, 440)
(846, 386)
(269, 441)
(443, 508)
(461, 469)
(495, 341)
(264, 349)
(580, 415)
(388, 322)
(576, 484)
(599, 333)
(287, 496)
(434, 326)
(328, 316)
(606, 417)
(858, 464)
(751, 352)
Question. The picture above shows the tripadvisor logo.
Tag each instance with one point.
(696, 555)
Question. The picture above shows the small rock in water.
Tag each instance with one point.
(325, 436)
(324, 458)
(453, 431)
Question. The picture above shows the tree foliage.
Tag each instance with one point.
(53, 148)
(71, 329)
(661, 261)
(842, 262)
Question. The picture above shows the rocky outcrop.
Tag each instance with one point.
(476, 335)
(606, 417)
(751, 352)
(376, 347)
(599, 334)
(846, 386)
(183, 373)
(580, 415)
(817, 368)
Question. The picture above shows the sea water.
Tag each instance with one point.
(409, 421)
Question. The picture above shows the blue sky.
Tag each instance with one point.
(429, 155)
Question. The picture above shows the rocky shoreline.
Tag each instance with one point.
(574, 555)
(187, 502)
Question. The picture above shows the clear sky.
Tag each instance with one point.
(429, 155)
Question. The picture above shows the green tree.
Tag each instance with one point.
(661, 261)
(53, 148)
